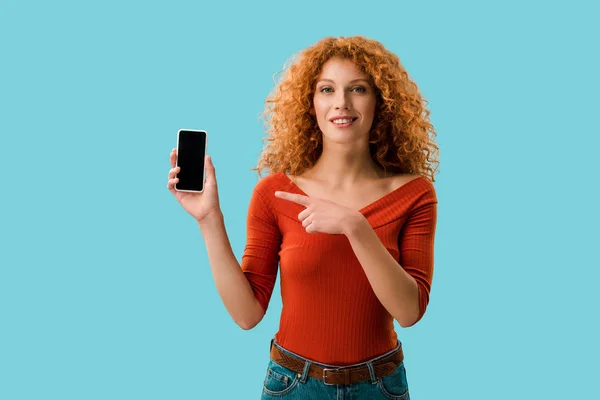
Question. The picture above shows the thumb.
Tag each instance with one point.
(210, 171)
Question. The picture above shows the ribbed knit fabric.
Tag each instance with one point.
(330, 312)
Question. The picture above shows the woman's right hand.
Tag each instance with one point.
(199, 205)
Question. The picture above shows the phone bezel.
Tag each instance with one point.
(204, 156)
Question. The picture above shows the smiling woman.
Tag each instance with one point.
(346, 216)
(401, 138)
(344, 98)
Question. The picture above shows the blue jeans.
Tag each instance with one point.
(283, 383)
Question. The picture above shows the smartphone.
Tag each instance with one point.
(191, 152)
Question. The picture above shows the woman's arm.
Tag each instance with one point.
(403, 289)
(394, 287)
(232, 285)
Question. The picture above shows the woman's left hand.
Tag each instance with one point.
(323, 216)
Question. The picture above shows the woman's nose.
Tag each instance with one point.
(342, 101)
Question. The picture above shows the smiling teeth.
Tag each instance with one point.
(341, 121)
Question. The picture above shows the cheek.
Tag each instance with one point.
(320, 108)
(369, 108)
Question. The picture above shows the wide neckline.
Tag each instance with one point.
(368, 206)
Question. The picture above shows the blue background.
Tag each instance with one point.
(105, 287)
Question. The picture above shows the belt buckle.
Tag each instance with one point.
(325, 375)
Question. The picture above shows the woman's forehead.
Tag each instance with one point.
(339, 69)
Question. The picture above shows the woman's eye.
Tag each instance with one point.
(359, 89)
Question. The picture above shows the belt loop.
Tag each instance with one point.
(372, 373)
(347, 376)
(305, 371)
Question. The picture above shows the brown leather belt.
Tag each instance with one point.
(341, 375)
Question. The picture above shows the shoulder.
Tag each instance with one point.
(263, 195)
(420, 187)
(399, 179)
(268, 185)
(402, 179)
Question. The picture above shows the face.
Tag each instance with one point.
(344, 102)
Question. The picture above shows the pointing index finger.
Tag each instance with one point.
(296, 198)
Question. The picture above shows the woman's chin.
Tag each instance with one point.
(342, 135)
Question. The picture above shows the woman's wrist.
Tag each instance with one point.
(211, 220)
(355, 224)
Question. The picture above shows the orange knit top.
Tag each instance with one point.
(330, 313)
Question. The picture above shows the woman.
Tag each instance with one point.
(348, 212)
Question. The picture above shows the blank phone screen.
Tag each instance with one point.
(191, 150)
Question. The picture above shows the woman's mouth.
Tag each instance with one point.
(343, 122)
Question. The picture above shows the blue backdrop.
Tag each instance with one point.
(105, 287)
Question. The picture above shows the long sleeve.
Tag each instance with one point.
(416, 245)
(261, 254)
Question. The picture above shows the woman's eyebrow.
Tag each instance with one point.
(352, 81)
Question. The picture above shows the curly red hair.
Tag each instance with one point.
(401, 139)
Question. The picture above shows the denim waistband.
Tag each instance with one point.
(372, 360)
